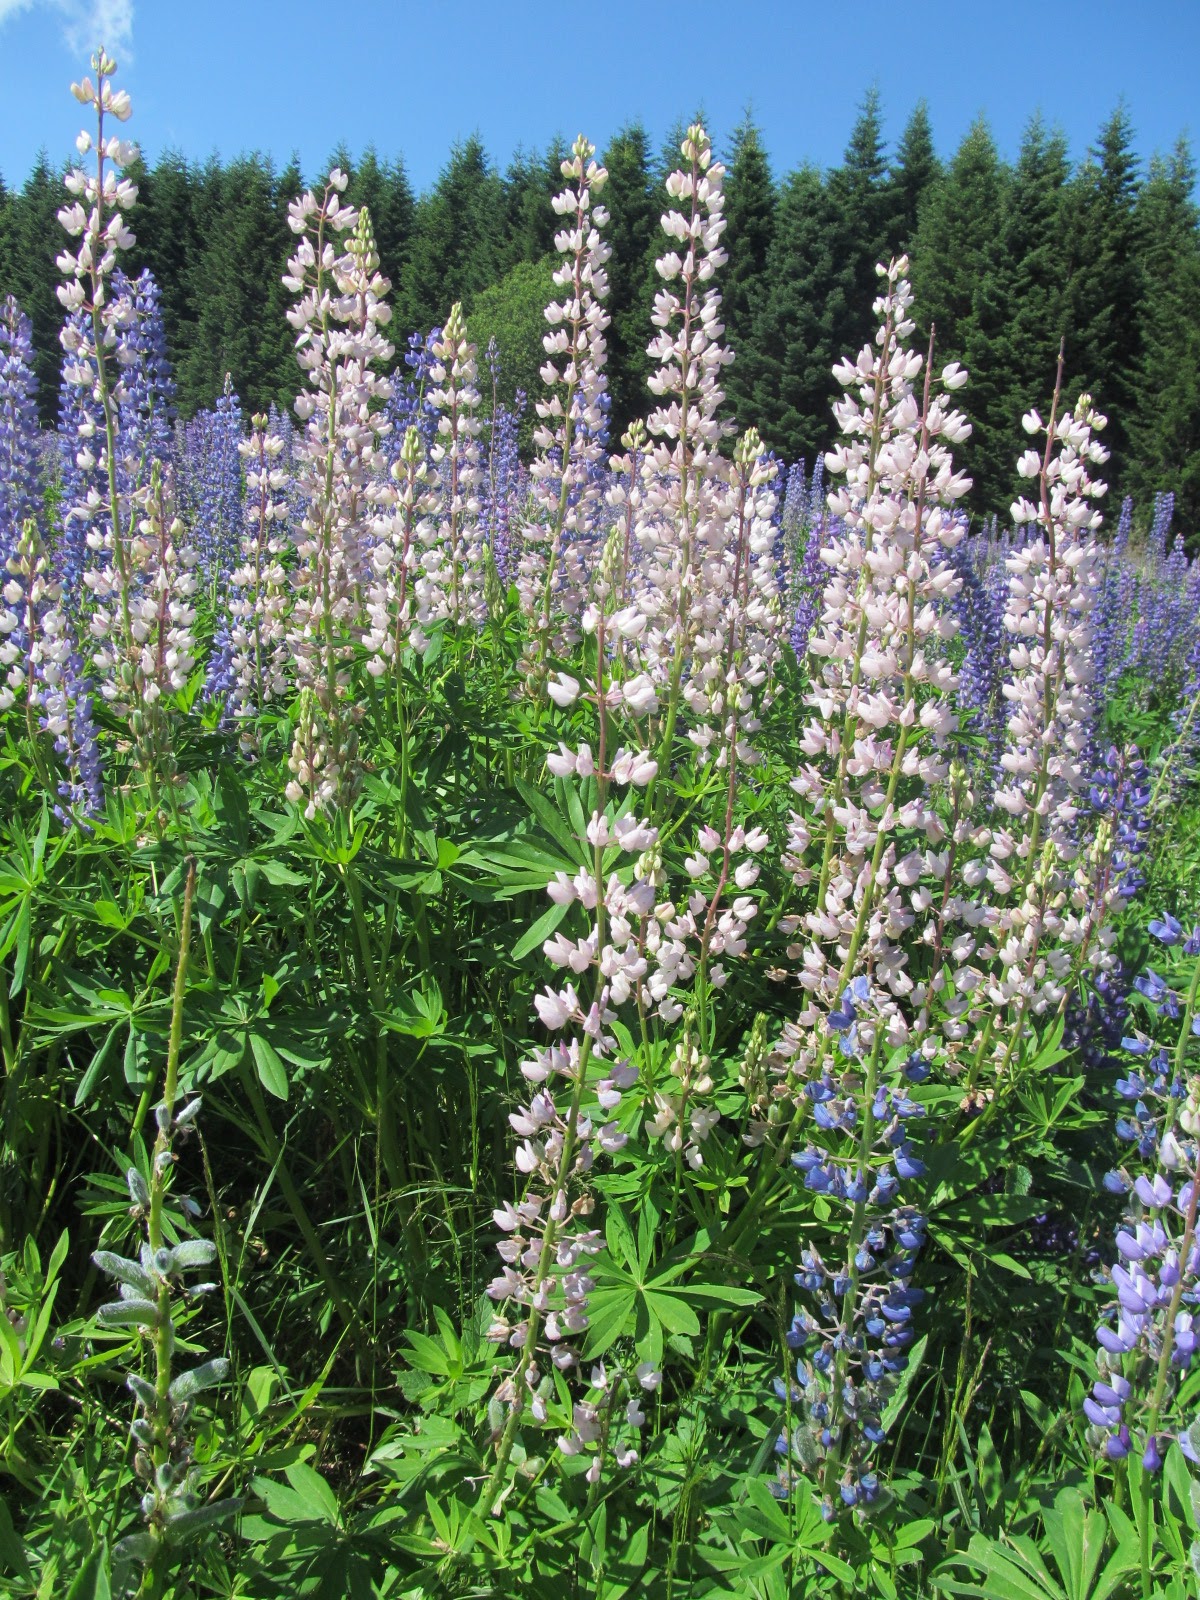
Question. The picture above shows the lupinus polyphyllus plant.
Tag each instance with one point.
(1041, 924)
(140, 578)
(882, 801)
(395, 561)
(19, 460)
(578, 1080)
(1149, 1331)
(151, 1286)
(682, 529)
(856, 1321)
(449, 581)
(802, 525)
(212, 486)
(552, 571)
(338, 317)
(258, 584)
(879, 698)
(502, 472)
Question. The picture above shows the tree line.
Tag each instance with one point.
(1008, 259)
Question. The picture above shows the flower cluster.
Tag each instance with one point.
(565, 482)
(856, 1322)
(1148, 1334)
(338, 317)
(19, 475)
(149, 1286)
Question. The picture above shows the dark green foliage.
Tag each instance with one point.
(859, 206)
(1007, 260)
(750, 215)
(530, 184)
(1032, 261)
(913, 174)
(793, 326)
(512, 312)
(957, 239)
(1165, 427)
(457, 248)
(1105, 273)
(239, 310)
(633, 224)
(29, 245)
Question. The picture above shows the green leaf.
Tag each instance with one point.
(272, 1073)
(673, 1313)
(91, 1582)
(97, 1065)
(722, 1294)
(608, 1312)
(541, 930)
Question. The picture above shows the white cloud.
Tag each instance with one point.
(85, 23)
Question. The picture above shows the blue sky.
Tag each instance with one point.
(217, 76)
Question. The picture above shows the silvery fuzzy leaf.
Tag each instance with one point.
(133, 1547)
(141, 1390)
(193, 1253)
(124, 1271)
(139, 1193)
(186, 1524)
(205, 1376)
(129, 1313)
(165, 1477)
(805, 1447)
(142, 1431)
(189, 1112)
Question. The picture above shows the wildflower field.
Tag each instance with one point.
(606, 1020)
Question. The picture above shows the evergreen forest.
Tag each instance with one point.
(1008, 259)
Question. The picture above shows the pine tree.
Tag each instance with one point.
(457, 248)
(1105, 289)
(859, 205)
(960, 225)
(632, 230)
(34, 241)
(913, 173)
(1165, 424)
(530, 184)
(236, 288)
(750, 218)
(793, 327)
(164, 223)
(385, 191)
(1034, 257)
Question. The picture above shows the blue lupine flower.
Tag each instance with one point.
(1155, 1279)
(20, 463)
(853, 1330)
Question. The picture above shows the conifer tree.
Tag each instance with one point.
(750, 225)
(457, 248)
(1164, 431)
(164, 225)
(957, 238)
(859, 205)
(793, 326)
(244, 254)
(631, 231)
(384, 189)
(913, 173)
(1105, 282)
(1034, 258)
(530, 184)
(33, 245)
